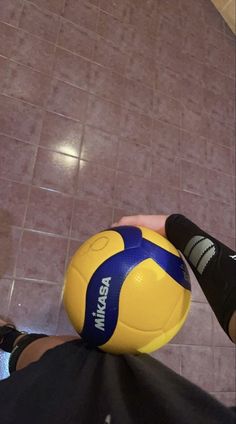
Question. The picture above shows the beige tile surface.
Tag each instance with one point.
(227, 10)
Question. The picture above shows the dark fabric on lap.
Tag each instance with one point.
(74, 384)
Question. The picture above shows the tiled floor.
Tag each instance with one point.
(110, 108)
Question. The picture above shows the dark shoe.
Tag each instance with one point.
(8, 335)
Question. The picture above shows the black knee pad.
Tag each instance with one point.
(20, 346)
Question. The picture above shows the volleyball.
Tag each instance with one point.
(127, 290)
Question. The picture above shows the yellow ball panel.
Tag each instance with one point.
(94, 251)
(158, 342)
(74, 296)
(149, 292)
(128, 340)
(180, 310)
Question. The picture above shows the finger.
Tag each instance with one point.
(129, 220)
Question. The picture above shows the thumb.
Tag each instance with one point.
(115, 224)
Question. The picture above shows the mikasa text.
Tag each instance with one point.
(102, 303)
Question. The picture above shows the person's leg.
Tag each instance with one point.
(232, 327)
(36, 348)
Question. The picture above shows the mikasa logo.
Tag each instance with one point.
(101, 305)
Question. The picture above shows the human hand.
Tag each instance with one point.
(154, 222)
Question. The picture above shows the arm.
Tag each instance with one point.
(213, 264)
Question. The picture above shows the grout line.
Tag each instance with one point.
(45, 233)
(28, 197)
(10, 297)
(180, 363)
(44, 9)
(21, 13)
(39, 280)
(63, 8)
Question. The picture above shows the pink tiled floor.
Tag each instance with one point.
(110, 108)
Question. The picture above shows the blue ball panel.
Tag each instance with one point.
(173, 265)
(132, 236)
(100, 322)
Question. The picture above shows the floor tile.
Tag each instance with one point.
(20, 120)
(37, 312)
(72, 68)
(141, 69)
(82, 13)
(44, 206)
(168, 82)
(103, 115)
(194, 148)
(166, 171)
(136, 127)
(27, 84)
(88, 220)
(68, 100)
(61, 134)
(77, 39)
(9, 246)
(163, 199)
(10, 11)
(194, 206)
(216, 209)
(219, 132)
(107, 84)
(39, 22)
(170, 356)
(109, 55)
(165, 139)
(8, 36)
(4, 65)
(224, 369)
(197, 366)
(134, 159)
(120, 34)
(197, 329)
(5, 290)
(35, 257)
(55, 6)
(96, 181)
(55, 171)
(220, 186)
(192, 120)
(193, 178)
(34, 52)
(13, 199)
(64, 327)
(121, 10)
(131, 191)
(166, 109)
(220, 158)
(138, 98)
(99, 146)
(17, 159)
